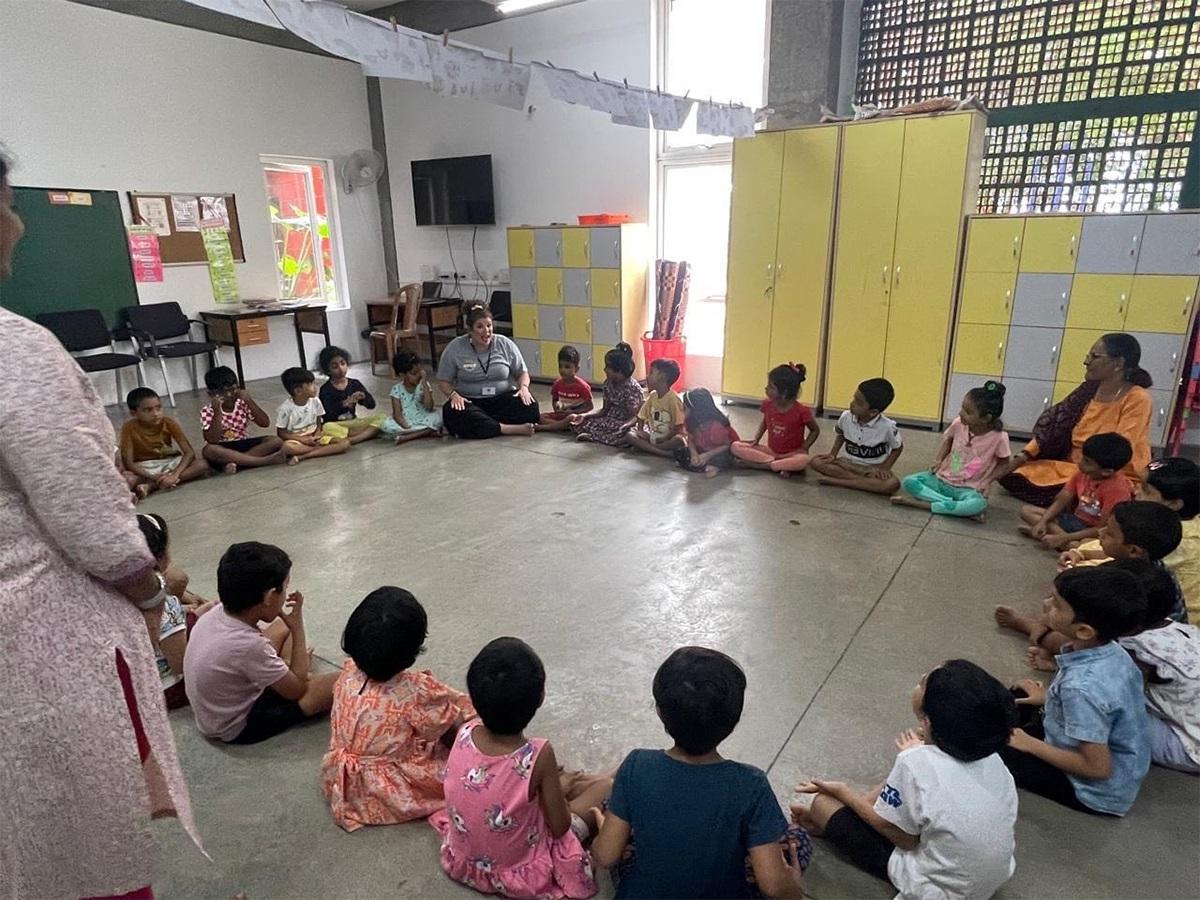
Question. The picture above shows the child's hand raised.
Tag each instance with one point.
(909, 738)
(292, 612)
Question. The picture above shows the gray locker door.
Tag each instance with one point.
(1160, 416)
(1032, 352)
(1041, 300)
(606, 248)
(606, 325)
(524, 285)
(550, 323)
(1161, 356)
(547, 247)
(577, 287)
(1025, 400)
(531, 352)
(1110, 244)
(959, 385)
(1171, 245)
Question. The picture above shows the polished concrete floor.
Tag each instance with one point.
(834, 602)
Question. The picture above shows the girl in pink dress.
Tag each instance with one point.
(390, 728)
(508, 827)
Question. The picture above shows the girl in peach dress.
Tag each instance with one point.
(390, 728)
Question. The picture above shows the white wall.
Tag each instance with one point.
(100, 100)
(559, 162)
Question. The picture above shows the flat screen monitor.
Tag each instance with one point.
(454, 191)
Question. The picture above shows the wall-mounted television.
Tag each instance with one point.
(453, 191)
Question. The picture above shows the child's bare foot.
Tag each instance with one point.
(230, 468)
(1026, 530)
(142, 491)
(1007, 617)
(802, 816)
(785, 474)
(583, 437)
(711, 471)
(981, 518)
(910, 502)
(293, 460)
(1041, 659)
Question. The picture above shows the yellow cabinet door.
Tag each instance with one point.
(598, 367)
(1051, 243)
(525, 320)
(578, 324)
(1062, 388)
(928, 228)
(1076, 344)
(1161, 303)
(753, 231)
(802, 250)
(549, 287)
(1099, 301)
(862, 273)
(549, 359)
(520, 246)
(979, 350)
(987, 297)
(606, 287)
(994, 245)
(575, 247)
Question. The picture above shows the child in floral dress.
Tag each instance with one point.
(390, 728)
(623, 397)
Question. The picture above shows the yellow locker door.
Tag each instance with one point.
(1076, 344)
(606, 287)
(1099, 301)
(575, 247)
(1161, 303)
(549, 287)
(994, 244)
(987, 297)
(520, 247)
(802, 251)
(550, 359)
(928, 229)
(598, 367)
(525, 320)
(979, 350)
(578, 324)
(1051, 243)
(1062, 388)
(753, 227)
(862, 268)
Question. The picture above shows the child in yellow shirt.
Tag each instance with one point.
(658, 426)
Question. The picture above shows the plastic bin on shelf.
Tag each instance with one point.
(605, 219)
(670, 348)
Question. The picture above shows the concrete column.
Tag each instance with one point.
(813, 52)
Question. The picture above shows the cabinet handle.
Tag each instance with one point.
(1174, 362)
(1007, 299)
(561, 330)
(883, 275)
(1000, 350)
(1162, 414)
(1062, 307)
(1054, 354)
(1045, 403)
(558, 288)
(770, 269)
(616, 290)
(1187, 301)
(779, 271)
(1071, 249)
(587, 325)
(558, 250)
(897, 276)
(1133, 245)
(586, 248)
(617, 329)
(1121, 304)
(1016, 245)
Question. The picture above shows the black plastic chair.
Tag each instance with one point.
(501, 306)
(154, 328)
(80, 330)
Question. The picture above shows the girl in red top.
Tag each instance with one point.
(785, 421)
(708, 434)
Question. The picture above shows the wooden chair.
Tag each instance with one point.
(408, 299)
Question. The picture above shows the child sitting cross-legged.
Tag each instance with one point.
(512, 824)
(341, 396)
(224, 418)
(570, 394)
(414, 414)
(247, 684)
(1175, 483)
(1083, 505)
(708, 433)
(942, 824)
(298, 422)
(867, 445)
(391, 727)
(685, 819)
(1090, 747)
(658, 426)
(622, 398)
(155, 453)
(787, 424)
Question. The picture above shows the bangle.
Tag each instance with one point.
(157, 599)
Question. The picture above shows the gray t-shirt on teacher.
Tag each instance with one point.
(475, 374)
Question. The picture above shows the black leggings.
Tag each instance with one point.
(1036, 775)
(483, 416)
(858, 843)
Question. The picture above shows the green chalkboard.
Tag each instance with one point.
(73, 256)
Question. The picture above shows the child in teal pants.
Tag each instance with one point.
(972, 448)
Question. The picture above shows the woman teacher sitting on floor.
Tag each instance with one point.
(1113, 398)
(486, 383)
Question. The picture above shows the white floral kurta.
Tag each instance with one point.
(75, 801)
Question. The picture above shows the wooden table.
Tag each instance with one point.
(244, 326)
(438, 315)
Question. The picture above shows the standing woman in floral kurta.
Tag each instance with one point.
(86, 754)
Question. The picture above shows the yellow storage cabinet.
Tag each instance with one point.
(525, 320)
(994, 245)
(987, 297)
(979, 349)
(1076, 344)
(520, 247)
(1099, 301)
(1161, 303)
(549, 287)
(549, 357)
(575, 245)
(578, 324)
(1050, 243)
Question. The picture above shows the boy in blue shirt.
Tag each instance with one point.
(694, 816)
(1092, 748)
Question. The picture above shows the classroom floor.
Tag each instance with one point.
(834, 602)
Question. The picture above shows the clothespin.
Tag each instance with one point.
(445, 38)
(594, 75)
(510, 56)
(394, 26)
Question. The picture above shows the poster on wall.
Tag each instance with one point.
(152, 211)
(187, 213)
(220, 260)
(214, 209)
(144, 252)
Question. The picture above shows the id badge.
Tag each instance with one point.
(489, 391)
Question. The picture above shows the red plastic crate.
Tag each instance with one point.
(605, 219)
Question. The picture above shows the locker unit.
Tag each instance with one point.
(584, 286)
(1037, 291)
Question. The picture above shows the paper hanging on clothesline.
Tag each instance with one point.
(186, 211)
(668, 112)
(144, 253)
(561, 84)
(387, 52)
(724, 121)
(250, 10)
(460, 72)
(636, 111)
(152, 211)
(323, 25)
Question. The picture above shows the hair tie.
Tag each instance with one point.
(793, 366)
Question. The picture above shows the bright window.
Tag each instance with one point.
(308, 259)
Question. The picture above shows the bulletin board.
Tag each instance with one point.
(183, 244)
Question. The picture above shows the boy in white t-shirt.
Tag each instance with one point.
(942, 824)
(298, 421)
(867, 445)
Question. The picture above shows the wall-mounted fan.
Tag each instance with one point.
(361, 169)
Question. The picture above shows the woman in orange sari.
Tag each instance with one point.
(1113, 398)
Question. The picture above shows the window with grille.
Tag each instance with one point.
(1094, 101)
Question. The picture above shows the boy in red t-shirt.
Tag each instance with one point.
(1082, 506)
(785, 423)
(569, 395)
